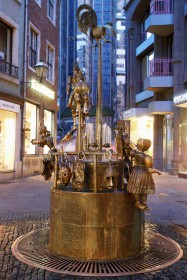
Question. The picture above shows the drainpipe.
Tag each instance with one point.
(24, 79)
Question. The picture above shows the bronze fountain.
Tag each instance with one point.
(97, 223)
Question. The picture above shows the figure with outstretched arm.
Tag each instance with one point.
(48, 161)
(141, 182)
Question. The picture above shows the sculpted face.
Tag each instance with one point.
(110, 182)
(110, 177)
(78, 176)
(65, 175)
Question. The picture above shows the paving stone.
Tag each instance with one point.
(169, 220)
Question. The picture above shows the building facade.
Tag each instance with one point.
(11, 102)
(29, 32)
(67, 59)
(86, 56)
(156, 79)
(41, 42)
(120, 52)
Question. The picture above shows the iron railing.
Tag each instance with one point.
(8, 69)
(161, 7)
(160, 67)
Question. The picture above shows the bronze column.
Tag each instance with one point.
(98, 130)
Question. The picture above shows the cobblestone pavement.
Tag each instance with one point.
(24, 206)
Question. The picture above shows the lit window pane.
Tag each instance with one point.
(48, 124)
(7, 140)
(30, 128)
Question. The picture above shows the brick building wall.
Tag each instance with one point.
(42, 43)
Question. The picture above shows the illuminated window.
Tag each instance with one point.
(33, 48)
(48, 123)
(7, 140)
(30, 128)
(50, 64)
(142, 127)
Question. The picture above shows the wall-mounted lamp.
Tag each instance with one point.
(41, 70)
(131, 33)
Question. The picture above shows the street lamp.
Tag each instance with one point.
(41, 70)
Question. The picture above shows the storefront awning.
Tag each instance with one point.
(135, 113)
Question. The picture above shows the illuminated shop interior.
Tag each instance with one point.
(142, 127)
(183, 141)
(30, 128)
(7, 140)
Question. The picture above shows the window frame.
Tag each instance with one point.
(33, 48)
(37, 32)
(15, 37)
(51, 10)
(38, 2)
(145, 64)
(50, 64)
(9, 42)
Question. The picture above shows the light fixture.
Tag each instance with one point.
(41, 70)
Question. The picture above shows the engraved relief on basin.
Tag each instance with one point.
(95, 225)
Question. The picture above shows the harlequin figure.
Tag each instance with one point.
(79, 95)
(141, 182)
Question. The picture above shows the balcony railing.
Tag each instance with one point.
(8, 69)
(158, 7)
(160, 67)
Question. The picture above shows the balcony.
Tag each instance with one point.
(160, 75)
(8, 69)
(161, 18)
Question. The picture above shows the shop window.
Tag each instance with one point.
(7, 140)
(142, 127)
(33, 48)
(167, 142)
(5, 42)
(183, 141)
(50, 64)
(30, 128)
(48, 123)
